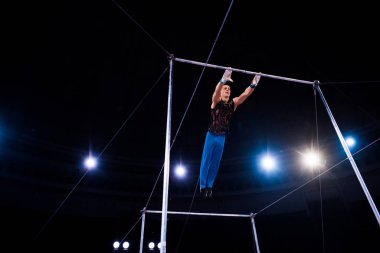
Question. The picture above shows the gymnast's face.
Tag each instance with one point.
(225, 93)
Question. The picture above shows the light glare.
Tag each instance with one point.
(350, 141)
(151, 245)
(116, 245)
(312, 160)
(90, 162)
(125, 245)
(268, 163)
(180, 171)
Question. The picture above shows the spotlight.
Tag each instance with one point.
(268, 163)
(151, 245)
(125, 245)
(350, 141)
(312, 160)
(116, 245)
(90, 162)
(180, 171)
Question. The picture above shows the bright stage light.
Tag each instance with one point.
(180, 171)
(312, 159)
(90, 162)
(125, 245)
(350, 141)
(151, 245)
(116, 245)
(268, 163)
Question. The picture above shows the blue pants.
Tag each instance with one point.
(211, 156)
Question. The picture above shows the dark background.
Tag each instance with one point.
(80, 77)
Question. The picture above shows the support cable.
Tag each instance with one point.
(109, 142)
(134, 21)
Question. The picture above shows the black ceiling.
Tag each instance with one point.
(92, 77)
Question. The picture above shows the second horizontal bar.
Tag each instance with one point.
(203, 214)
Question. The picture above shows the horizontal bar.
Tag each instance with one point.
(243, 71)
(203, 214)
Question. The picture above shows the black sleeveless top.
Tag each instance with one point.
(221, 117)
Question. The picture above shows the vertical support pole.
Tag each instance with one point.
(142, 230)
(255, 233)
(348, 153)
(164, 215)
